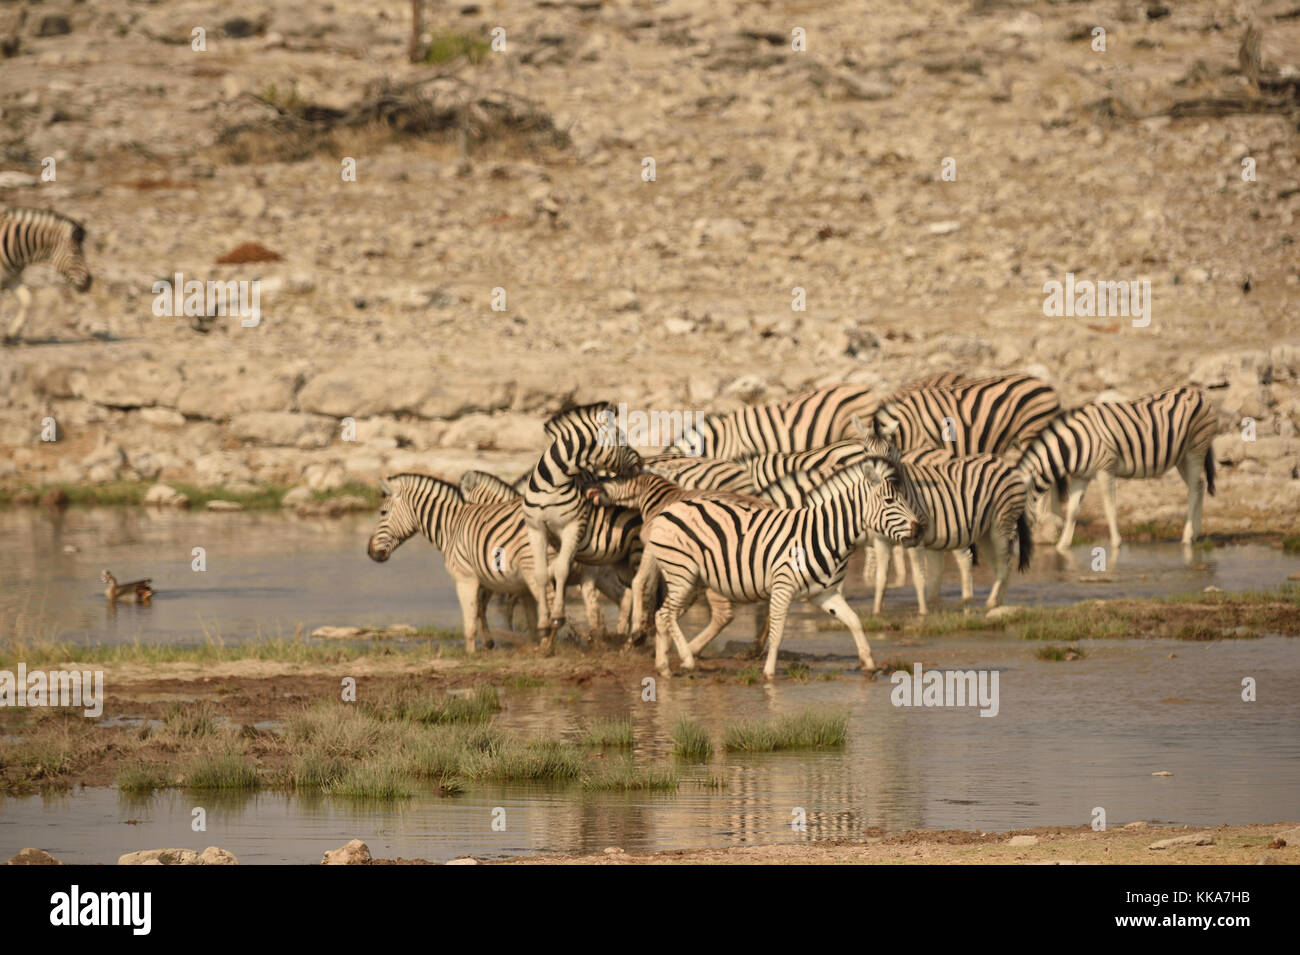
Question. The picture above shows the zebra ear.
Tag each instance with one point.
(871, 475)
(860, 428)
(385, 488)
(885, 429)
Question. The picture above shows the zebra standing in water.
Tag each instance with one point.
(750, 552)
(584, 440)
(29, 237)
(485, 546)
(810, 420)
(1107, 440)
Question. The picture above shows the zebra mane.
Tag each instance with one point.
(22, 214)
(488, 483)
(582, 416)
(843, 479)
(437, 483)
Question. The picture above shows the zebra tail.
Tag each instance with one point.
(974, 555)
(1026, 540)
(1209, 470)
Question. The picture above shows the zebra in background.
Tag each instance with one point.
(32, 236)
(749, 552)
(701, 474)
(584, 440)
(809, 420)
(1107, 440)
(969, 416)
(485, 546)
(973, 500)
(765, 469)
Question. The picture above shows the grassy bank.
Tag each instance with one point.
(264, 497)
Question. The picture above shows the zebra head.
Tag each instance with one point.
(588, 438)
(69, 259)
(407, 499)
(888, 509)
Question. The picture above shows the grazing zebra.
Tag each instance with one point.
(1142, 438)
(976, 416)
(701, 474)
(31, 236)
(750, 552)
(650, 494)
(973, 500)
(810, 420)
(485, 546)
(584, 440)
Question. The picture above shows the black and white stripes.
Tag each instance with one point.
(33, 236)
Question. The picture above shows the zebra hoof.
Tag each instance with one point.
(489, 643)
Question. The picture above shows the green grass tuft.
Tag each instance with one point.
(691, 740)
(811, 729)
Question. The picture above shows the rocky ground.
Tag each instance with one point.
(522, 170)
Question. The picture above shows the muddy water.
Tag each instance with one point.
(1068, 737)
(270, 573)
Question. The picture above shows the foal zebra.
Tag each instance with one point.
(32, 236)
(583, 440)
(484, 545)
(750, 552)
(979, 416)
(1142, 438)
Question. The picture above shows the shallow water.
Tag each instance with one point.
(1068, 737)
(268, 573)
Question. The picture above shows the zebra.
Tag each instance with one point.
(702, 474)
(1142, 438)
(794, 488)
(750, 552)
(482, 487)
(650, 494)
(972, 500)
(583, 440)
(969, 416)
(485, 546)
(806, 421)
(31, 236)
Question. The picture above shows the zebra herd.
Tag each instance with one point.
(34, 236)
(767, 504)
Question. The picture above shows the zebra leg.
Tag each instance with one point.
(1000, 545)
(933, 576)
(778, 606)
(962, 559)
(530, 614)
(760, 638)
(1107, 482)
(591, 601)
(835, 605)
(1192, 469)
(666, 627)
(467, 592)
(721, 615)
(880, 547)
(24, 302)
(646, 574)
(539, 577)
(1077, 487)
(916, 556)
(900, 565)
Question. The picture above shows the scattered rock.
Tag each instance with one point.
(160, 857)
(163, 495)
(355, 852)
(466, 860)
(1163, 772)
(1005, 612)
(214, 855)
(1023, 841)
(33, 857)
(220, 505)
(1194, 839)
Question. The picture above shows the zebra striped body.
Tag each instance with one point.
(702, 474)
(485, 546)
(749, 552)
(649, 494)
(1142, 438)
(969, 500)
(555, 508)
(32, 236)
(765, 469)
(978, 416)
